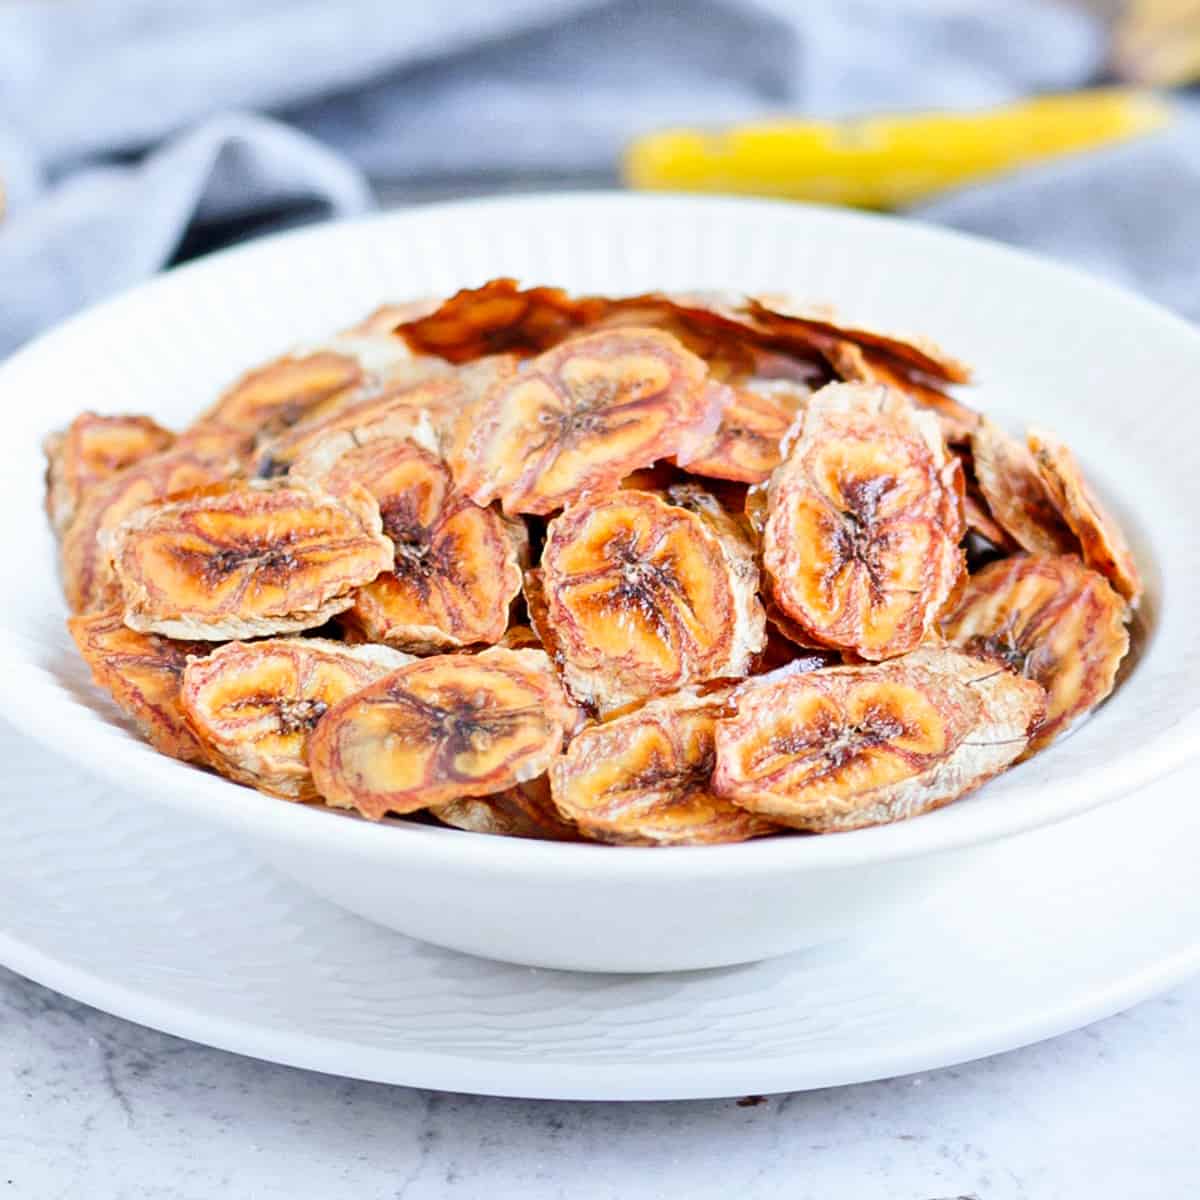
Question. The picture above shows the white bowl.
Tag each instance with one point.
(1112, 374)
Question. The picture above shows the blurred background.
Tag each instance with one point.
(138, 133)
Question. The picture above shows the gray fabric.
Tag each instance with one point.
(124, 139)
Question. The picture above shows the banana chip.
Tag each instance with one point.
(89, 583)
(579, 418)
(1018, 499)
(803, 324)
(246, 559)
(642, 597)
(273, 397)
(499, 317)
(646, 778)
(1050, 619)
(524, 811)
(855, 364)
(440, 729)
(142, 672)
(857, 746)
(457, 567)
(1100, 537)
(863, 521)
(91, 449)
(253, 705)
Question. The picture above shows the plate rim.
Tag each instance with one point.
(217, 800)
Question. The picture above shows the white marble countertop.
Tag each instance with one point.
(94, 1106)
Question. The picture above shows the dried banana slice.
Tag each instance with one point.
(857, 365)
(579, 418)
(860, 544)
(1008, 478)
(91, 449)
(419, 408)
(755, 417)
(457, 567)
(246, 559)
(275, 396)
(1100, 537)
(142, 672)
(87, 575)
(1050, 619)
(520, 637)
(499, 317)
(253, 705)
(646, 778)
(643, 597)
(786, 321)
(524, 811)
(446, 727)
(857, 746)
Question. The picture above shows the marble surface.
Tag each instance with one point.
(94, 1106)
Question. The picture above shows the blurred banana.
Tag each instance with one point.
(887, 161)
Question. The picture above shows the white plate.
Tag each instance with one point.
(145, 913)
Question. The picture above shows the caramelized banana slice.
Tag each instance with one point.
(1052, 620)
(755, 417)
(861, 539)
(252, 706)
(443, 728)
(857, 365)
(646, 778)
(419, 408)
(457, 567)
(1104, 545)
(91, 449)
(386, 317)
(857, 746)
(787, 321)
(87, 575)
(273, 397)
(579, 418)
(499, 317)
(1015, 493)
(142, 672)
(643, 597)
(524, 811)
(246, 559)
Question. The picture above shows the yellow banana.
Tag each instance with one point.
(887, 161)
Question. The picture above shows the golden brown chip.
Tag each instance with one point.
(746, 446)
(524, 811)
(1100, 537)
(418, 406)
(499, 317)
(457, 567)
(91, 449)
(642, 597)
(646, 778)
(579, 418)
(1050, 619)
(253, 705)
(273, 397)
(87, 576)
(785, 321)
(246, 559)
(142, 672)
(861, 540)
(857, 365)
(857, 746)
(1015, 493)
(442, 728)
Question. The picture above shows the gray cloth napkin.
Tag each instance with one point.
(125, 139)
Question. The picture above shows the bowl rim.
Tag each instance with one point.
(28, 702)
